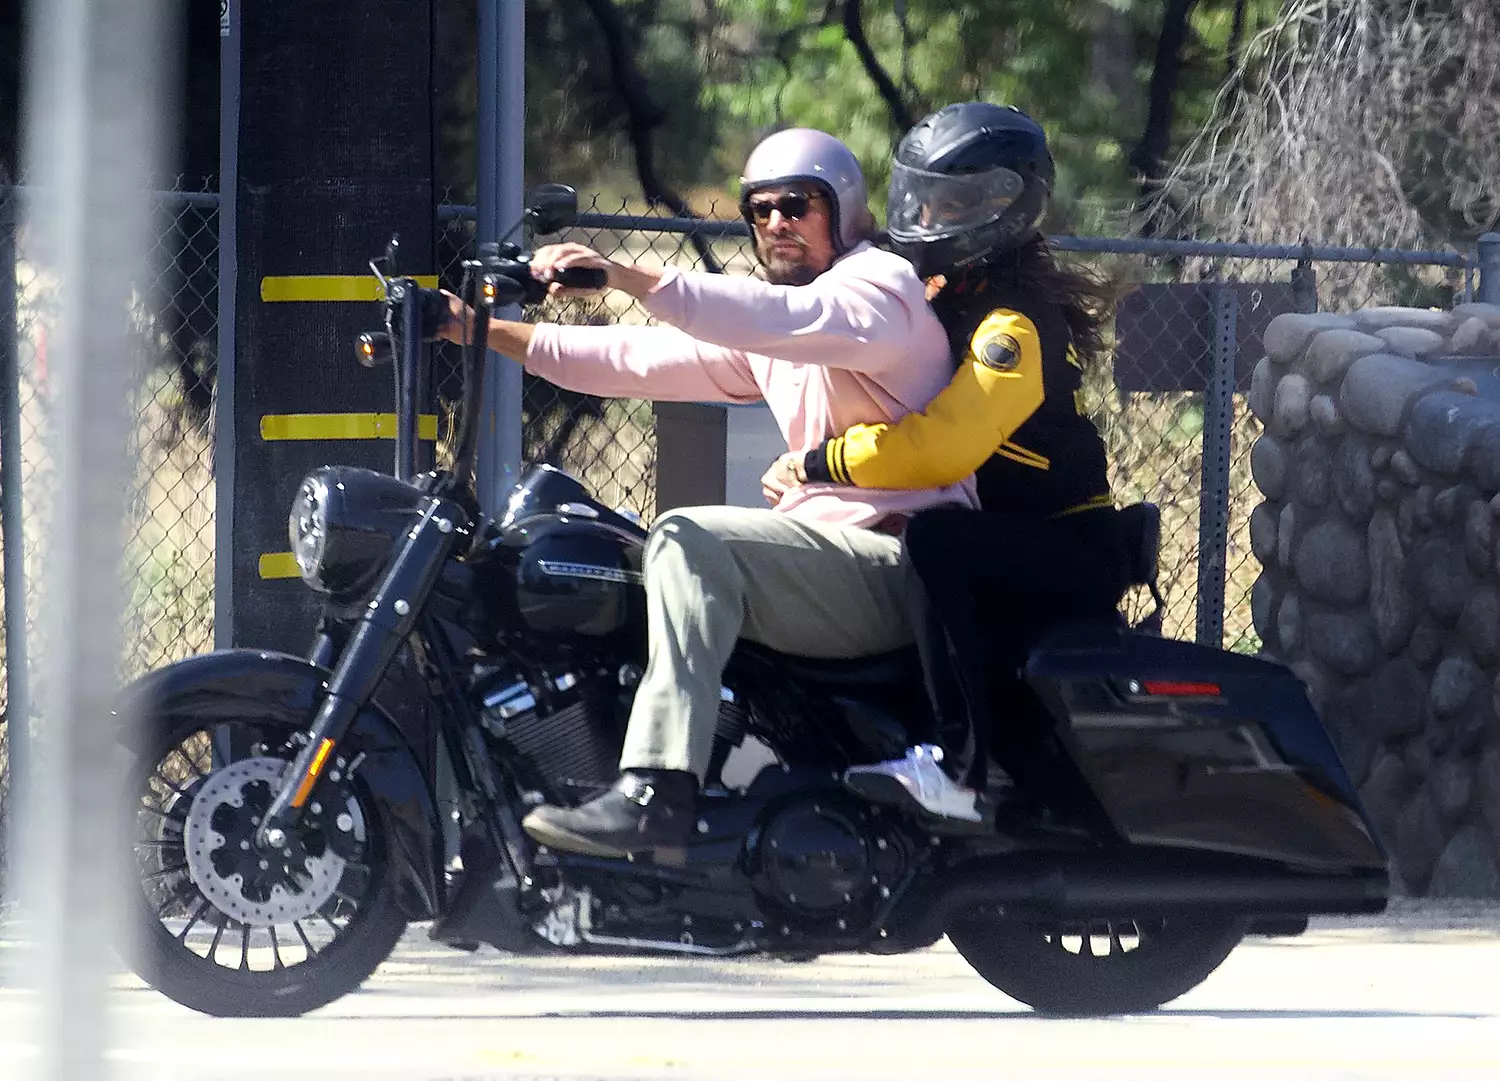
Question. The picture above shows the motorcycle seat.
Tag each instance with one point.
(1140, 524)
(879, 669)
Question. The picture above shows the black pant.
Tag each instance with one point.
(995, 584)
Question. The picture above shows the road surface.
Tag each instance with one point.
(1415, 994)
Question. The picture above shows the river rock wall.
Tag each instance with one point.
(1379, 539)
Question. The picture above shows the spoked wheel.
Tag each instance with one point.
(1101, 966)
(234, 931)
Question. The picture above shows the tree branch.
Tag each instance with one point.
(1233, 72)
(1236, 41)
(642, 117)
(1166, 71)
(854, 30)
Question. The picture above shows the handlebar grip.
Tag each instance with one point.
(581, 277)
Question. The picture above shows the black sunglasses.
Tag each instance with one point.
(793, 205)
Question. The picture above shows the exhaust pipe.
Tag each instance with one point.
(1084, 888)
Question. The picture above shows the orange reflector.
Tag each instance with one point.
(305, 788)
(1182, 689)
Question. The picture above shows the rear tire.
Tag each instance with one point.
(1089, 968)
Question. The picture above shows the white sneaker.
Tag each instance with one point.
(918, 777)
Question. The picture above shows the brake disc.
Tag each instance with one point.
(254, 887)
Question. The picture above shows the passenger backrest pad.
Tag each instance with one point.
(1140, 524)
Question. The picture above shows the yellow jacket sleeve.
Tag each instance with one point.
(998, 386)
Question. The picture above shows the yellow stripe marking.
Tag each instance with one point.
(279, 565)
(1099, 502)
(1005, 451)
(1025, 457)
(276, 427)
(302, 288)
(831, 458)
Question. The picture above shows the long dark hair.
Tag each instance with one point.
(1087, 300)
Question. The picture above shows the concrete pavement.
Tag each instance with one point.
(1415, 994)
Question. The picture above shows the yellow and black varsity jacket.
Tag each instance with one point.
(1012, 415)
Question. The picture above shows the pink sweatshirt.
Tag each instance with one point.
(859, 345)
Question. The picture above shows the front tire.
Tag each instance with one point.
(1096, 967)
(188, 943)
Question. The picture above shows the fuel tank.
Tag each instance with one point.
(564, 567)
(1195, 747)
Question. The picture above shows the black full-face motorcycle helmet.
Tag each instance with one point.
(969, 182)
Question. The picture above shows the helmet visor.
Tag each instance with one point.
(934, 206)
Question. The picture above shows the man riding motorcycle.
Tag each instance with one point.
(969, 188)
(839, 334)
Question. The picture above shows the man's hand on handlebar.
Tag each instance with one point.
(460, 319)
(505, 337)
(548, 261)
(554, 261)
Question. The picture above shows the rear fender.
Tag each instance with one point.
(240, 684)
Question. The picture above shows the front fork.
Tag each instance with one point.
(387, 621)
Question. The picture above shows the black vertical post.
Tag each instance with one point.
(499, 195)
(1305, 286)
(1218, 425)
(12, 520)
(224, 379)
(225, 482)
(1489, 268)
(409, 357)
(317, 192)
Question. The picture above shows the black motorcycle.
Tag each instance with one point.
(1159, 800)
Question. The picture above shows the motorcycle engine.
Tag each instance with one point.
(572, 739)
(825, 858)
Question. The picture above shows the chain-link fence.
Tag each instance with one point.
(169, 539)
(1171, 406)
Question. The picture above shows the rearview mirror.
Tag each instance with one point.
(552, 208)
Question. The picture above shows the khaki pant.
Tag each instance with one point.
(716, 574)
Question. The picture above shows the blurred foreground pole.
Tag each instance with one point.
(96, 70)
(499, 189)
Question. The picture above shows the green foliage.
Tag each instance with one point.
(725, 73)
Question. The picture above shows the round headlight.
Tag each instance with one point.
(307, 529)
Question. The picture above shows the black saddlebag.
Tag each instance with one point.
(1188, 746)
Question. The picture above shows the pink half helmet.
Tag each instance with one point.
(817, 158)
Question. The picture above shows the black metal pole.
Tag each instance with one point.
(499, 194)
(1489, 268)
(1305, 286)
(1218, 425)
(12, 521)
(409, 356)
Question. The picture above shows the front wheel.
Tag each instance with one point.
(1094, 967)
(226, 929)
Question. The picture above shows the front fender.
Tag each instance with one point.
(240, 684)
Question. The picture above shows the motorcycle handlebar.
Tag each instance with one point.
(434, 305)
(581, 277)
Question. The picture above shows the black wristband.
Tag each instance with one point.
(815, 463)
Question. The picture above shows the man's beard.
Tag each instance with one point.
(783, 271)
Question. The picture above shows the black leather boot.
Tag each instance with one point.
(644, 809)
